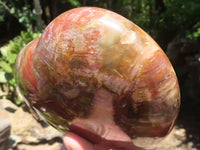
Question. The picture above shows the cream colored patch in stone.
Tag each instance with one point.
(172, 97)
(79, 42)
(111, 23)
(140, 95)
(128, 37)
(72, 93)
(112, 31)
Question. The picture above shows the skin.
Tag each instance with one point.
(98, 131)
(74, 142)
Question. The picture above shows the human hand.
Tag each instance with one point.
(73, 141)
(98, 131)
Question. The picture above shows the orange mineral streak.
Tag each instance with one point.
(28, 76)
(153, 76)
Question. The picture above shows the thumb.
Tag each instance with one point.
(74, 142)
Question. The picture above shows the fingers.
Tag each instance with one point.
(75, 142)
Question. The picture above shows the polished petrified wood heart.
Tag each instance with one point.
(96, 73)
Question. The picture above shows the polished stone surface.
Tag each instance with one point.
(96, 73)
